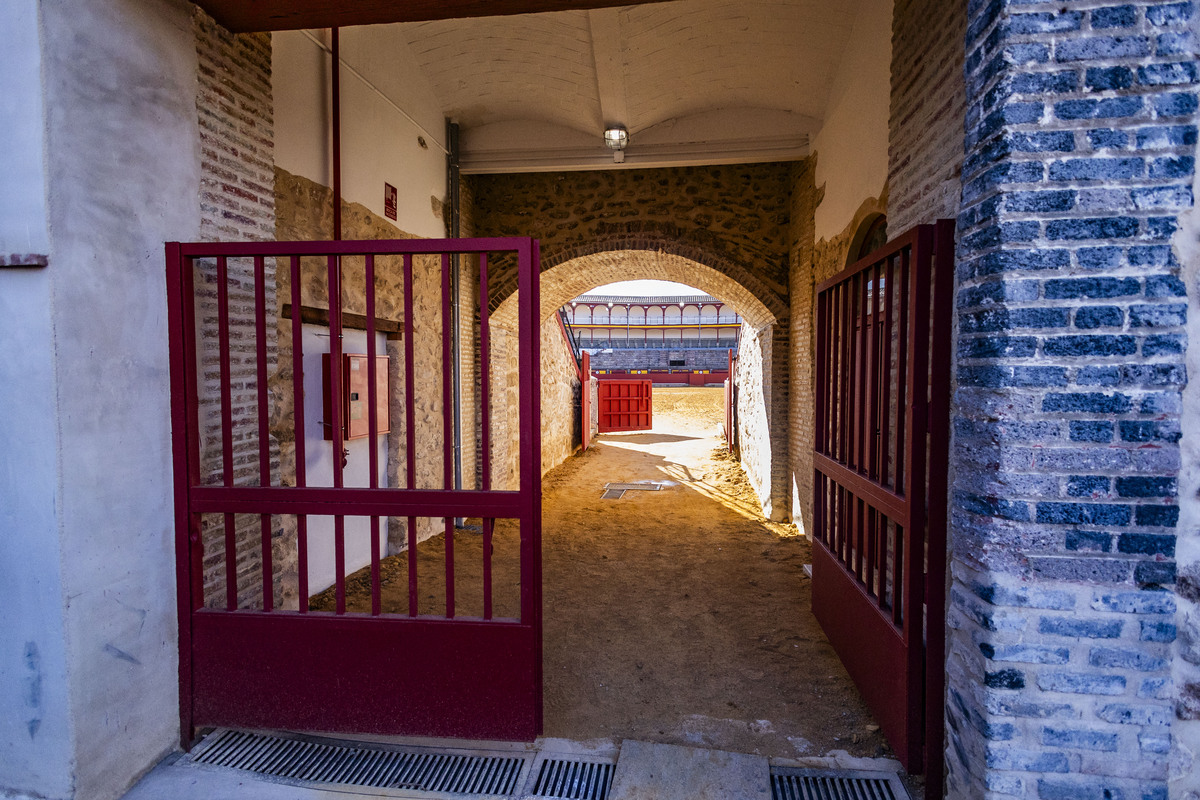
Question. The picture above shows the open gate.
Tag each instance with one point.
(625, 405)
(278, 494)
(879, 492)
(585, 404)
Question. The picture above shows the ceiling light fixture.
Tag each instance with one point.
(617, 138)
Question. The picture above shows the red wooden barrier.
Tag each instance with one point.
(626, 405)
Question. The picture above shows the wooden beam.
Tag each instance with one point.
(310, 315)
(243, 16)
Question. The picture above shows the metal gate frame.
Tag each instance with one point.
(585, 380)
(326, 671)
(730, 405)
(881, 455)
(625, 405)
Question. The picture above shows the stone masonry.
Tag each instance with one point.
(732, 218)
(729, 224)
(1079, 159)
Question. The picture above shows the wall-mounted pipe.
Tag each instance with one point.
(336, 98)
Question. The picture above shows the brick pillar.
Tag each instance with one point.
(1079, 160)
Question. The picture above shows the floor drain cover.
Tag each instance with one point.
(573, 780)
(613, 491)
(811, 784)
(313, 760)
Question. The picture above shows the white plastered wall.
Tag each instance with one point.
(386, 105)
(852, 146)
(36, 749)
(86, 444)
(752, 375)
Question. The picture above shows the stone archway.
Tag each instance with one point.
(762, 371)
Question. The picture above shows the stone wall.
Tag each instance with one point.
(753, 408)
(560, 397)
(305, 211)
(722, 229)
(732, 218)
(927, 112)
(1071, 314)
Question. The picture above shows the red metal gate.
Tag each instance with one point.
(262, 500)
(730, 405)
(880, 458)
(625, 405)
(585, 380)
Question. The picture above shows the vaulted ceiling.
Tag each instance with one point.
(693, 81)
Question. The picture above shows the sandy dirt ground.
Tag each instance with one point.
(677, 616)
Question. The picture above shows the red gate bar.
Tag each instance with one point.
(343, 671)
(410, 446)
(874, 519)
(485, 431)
(298, 412)
(585, 379)
(447, 428)
(372, 428)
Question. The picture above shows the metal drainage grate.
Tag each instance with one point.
(811, 784)
(314, 761)
(573, 780)
(613, 491)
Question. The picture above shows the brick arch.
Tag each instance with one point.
(569, 272)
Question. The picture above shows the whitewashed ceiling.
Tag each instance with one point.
(694, 81)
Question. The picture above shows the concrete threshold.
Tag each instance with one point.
(648, 771)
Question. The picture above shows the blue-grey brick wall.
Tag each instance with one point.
(1080, 147)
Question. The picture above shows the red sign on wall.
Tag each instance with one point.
(389, 200)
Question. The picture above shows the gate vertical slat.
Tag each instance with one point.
(585, 404)
(410, 442)
(372, 428)
(485, 383)
(334, 293)
(902, 394)
(874, 445)
(264, 437)
(447, 428)
(485, 430)
(885, 435)
(231, 595)
(299, 437)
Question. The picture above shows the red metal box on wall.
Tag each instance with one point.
(355, 418)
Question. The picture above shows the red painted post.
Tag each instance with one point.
(585, 379)
(231, 594)
(372, 428)
(298, 434)
(447, 428)
(410, 440)
(264, 436)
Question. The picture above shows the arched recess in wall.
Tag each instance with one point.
(568, 279)
(870, 235)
